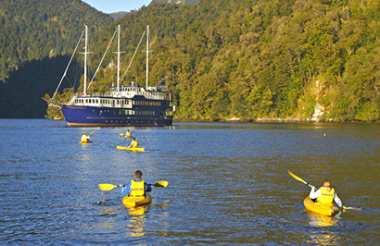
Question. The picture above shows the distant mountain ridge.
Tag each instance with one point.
(176, 1)
(118, 15)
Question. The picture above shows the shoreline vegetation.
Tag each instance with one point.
(279, 120)
(267, 120)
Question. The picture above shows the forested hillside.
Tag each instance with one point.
(35, 29)
(252, 59)
(37, 38)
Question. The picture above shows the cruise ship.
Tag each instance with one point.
(121, 105)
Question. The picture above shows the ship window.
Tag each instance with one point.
(86, 100)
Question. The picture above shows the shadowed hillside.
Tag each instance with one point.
(21, 94)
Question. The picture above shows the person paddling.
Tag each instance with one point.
(86, 138)
(128, 134)
(137, 187)
(325, 194)
(133, 144)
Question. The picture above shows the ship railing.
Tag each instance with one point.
(94, 94)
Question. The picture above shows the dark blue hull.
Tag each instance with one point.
(105, 116)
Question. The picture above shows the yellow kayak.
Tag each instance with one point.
(84, 142)
(132, 149)
(319, 208)
(137, 201)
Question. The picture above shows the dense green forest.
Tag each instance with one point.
(35, 29)
(254, 59)
(35, 37)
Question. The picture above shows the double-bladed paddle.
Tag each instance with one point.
(108, 187)
(306, 183)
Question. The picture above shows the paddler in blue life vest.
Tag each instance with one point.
(325, 194)
(133, 144)
(137, 187)
(86, 138)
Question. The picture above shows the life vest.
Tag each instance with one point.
(326, 196)
(135, 143)
(137, 188)
(128, 134)
(84, 138)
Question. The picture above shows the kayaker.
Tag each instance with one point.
(136, 188)
(128, 134)
(325, 194)
(133, 144)
(86, 138)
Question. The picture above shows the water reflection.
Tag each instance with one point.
(324, 236)
(137, 221)
(319, 220)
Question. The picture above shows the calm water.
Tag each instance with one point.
(228, 184)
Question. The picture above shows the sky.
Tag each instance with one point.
(111, 6)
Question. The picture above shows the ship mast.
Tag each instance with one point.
(147, 56)
(118, 58)
(85, 62)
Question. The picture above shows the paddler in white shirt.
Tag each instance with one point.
(325, 194)
(86, 138)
